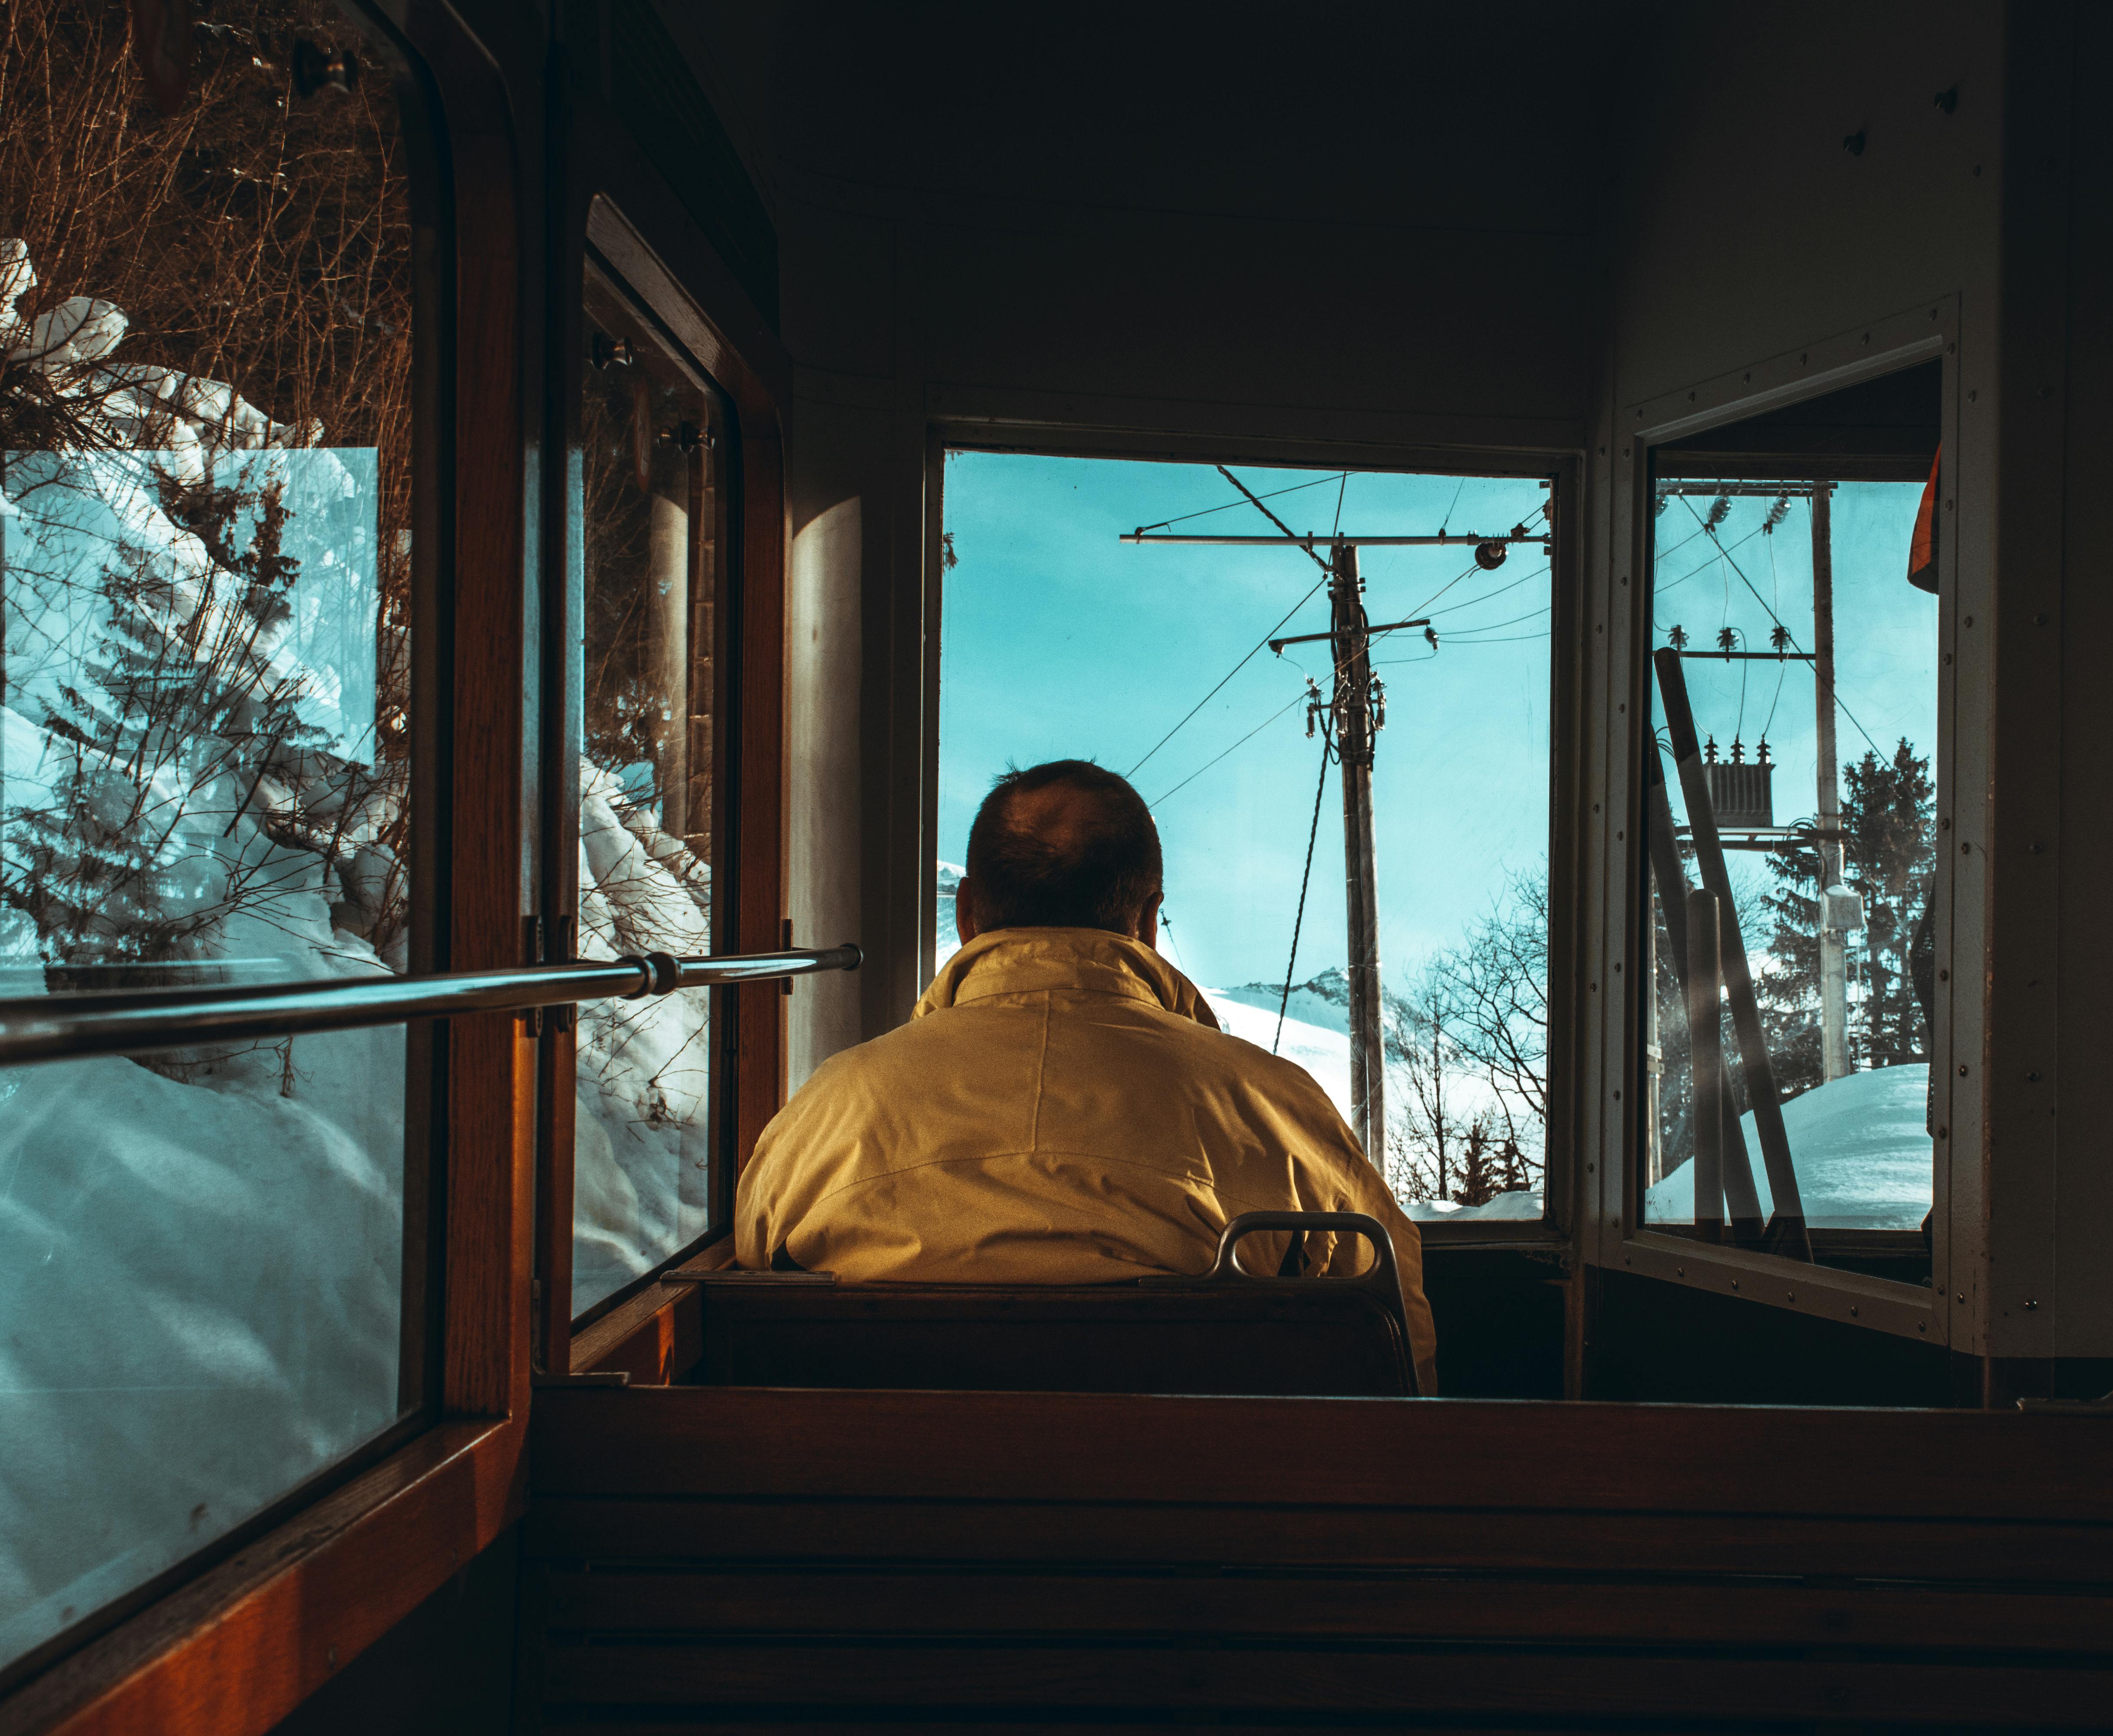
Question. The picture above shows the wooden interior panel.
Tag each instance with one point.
(841, 1558)
(752, 1442)
(1293, 1538)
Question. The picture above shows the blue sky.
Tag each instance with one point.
(1058, 639)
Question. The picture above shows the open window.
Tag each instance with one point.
(212, 469)
(1790, 808)
(1344, 696)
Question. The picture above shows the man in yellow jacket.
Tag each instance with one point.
(1061, 1108)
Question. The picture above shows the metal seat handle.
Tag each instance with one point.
(1384, 1274)
(1383, 1280)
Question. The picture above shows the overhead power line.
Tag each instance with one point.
(1789, 637)
(1184, 519)
(1243, 740)
(1305, 880)
(1256, 500)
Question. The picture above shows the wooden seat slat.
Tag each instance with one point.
(1642, 1683)
(1598, 1609)
(644, 1530)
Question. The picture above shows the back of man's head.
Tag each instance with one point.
(1067, 845)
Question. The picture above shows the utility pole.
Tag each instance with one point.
(1356, 710)
(1833, 942)
(1356, 716)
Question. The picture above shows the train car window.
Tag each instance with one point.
(206, 295)
(1791, 791)
(654, 523)
(1346, 744)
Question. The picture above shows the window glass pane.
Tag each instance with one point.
(1817, 753)
(1060, 642)
(205, 562)
(653, 507)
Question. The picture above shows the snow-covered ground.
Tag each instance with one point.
(641, 1148)
(1861, 1147)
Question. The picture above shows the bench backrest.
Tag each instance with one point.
(1229, 1330)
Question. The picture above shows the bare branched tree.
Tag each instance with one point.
(1495, 986)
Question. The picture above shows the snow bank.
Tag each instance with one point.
(1324, 1053)
(642, 1147)
(1861, 1147)
(947, 939)
(199, 1293)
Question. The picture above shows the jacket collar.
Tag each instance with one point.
(1023, 961)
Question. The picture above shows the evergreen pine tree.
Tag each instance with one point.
(1891, 857)
(1787, 985)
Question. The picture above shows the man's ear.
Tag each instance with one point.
(964, 909)
(1148, 921)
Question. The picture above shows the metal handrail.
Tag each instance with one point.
(138, 1020)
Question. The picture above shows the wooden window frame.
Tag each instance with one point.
(234, 1647)
(1553, 1230)
(619, 211)
(1612, 1237)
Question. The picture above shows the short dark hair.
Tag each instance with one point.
(1099, 869)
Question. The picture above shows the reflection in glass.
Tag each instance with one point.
(652, 506)
(1154, 659)
(1809, 660)
(205, 550)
